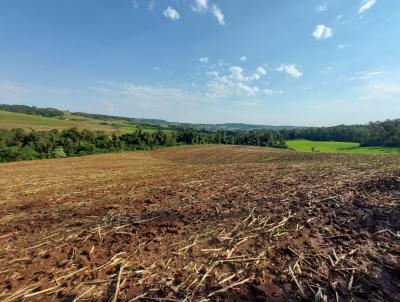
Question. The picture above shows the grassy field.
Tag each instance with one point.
(9, 120)
(338, 147)
(205, 223)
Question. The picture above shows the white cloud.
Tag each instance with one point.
(203, 6)
(261, 71)
(243, 58)
(322, 8)
(204, 60)
(237, 72)
(385, 89)
(341, 46)
(322, 32)
(135, 4)
(152, 4)
(200, 6)
(171, 13)
(291, 70)
(272, 92)
(365, 76)
(366, 5)
(225, 86)
(235, 84)
(381, 90)
(217, 13)
(342, 20)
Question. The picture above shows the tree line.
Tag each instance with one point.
(385, 134)
(46, 112)
(18, 144)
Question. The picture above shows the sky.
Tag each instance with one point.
(275, 62)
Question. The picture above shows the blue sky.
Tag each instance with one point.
(281, 62)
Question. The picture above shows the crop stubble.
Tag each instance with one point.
(201, 223)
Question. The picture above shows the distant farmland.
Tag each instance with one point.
(9, 120)
(338, 147)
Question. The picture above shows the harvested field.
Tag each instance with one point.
(201, 223)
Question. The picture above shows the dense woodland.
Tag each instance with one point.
(385, 134)
(17, 144)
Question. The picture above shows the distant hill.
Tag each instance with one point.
(236, 126)
(164, 123)
(122, 118)
(46, 112)
(9, 120)
(93, 121)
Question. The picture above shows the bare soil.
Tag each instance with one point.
(201, 223)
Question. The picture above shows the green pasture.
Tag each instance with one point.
(337, 147)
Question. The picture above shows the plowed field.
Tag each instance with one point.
(201, 223)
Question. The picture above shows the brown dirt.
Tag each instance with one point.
(201, 223)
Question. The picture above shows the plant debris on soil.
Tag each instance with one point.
(201, 223)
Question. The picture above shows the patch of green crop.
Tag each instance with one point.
(337, 147)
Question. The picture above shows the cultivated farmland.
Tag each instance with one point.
(12, 120)
(201, 223)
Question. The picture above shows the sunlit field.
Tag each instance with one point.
(337, 147)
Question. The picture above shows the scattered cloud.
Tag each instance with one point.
(217, 13)
(171, 13)
(204, 60)
(380, 90)
(326, 70)
(243, 58)
(385, 89)
(272, 92)
(237, 72)
(152, 5)
(200, 6)
(322, 8)
(341, 46)
(322, 32)
(261, 71)
(135, 4)
(291, 70)
(223, 86)
(235, 83)
(365, 76)
(366, 5)
(203, 6)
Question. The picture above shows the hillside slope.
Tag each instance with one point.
(9, 120)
